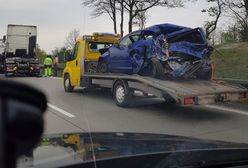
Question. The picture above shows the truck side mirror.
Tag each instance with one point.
(67, 56)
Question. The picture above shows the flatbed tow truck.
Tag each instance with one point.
(78, 73)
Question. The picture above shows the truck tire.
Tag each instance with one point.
(67, 84)
(102, 67)
(121, 94)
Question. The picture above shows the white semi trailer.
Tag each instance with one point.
(19, 53)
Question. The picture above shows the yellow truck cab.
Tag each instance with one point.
(84, 57)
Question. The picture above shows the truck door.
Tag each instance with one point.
(75, 65)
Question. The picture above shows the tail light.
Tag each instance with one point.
(189, 101)
(242, 95)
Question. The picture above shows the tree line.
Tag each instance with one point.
(136, 10)
(68, 46)
(234, 10)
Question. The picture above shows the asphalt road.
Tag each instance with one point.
(95, 111)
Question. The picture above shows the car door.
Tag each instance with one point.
(120, 55)
(75, 65)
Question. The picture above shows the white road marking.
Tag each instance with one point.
(53, 77)
(60, 110)
(227, 109)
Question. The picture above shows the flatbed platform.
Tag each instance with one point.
(182, 91)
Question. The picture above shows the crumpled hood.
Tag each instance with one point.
(195, 50)
(184, 40)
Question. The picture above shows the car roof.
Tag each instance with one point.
(165, 28)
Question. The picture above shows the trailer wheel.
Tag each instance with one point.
(102, 67)
(121, 93)
(67, 83)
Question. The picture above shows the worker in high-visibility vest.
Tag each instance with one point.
(48, 62)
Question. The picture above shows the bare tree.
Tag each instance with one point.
(141, 18)
(71, 39)
(103, 7)
(235, 9)
(214, 12)
(121, 2)
(239, 10)
(133, 7)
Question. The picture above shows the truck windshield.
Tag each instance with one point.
(96, 46)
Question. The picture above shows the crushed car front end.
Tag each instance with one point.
(163, 51)
(184, 53)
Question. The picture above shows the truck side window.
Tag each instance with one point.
(75, 51)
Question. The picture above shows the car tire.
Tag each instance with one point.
(102, 67)
(67, 84)
(121, 94)
(157, 70)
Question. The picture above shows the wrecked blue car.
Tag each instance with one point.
(161, 51)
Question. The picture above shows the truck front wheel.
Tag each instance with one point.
(67, 83)
(121, 94)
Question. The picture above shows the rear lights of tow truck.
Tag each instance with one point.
(189, 101)
(242, 95)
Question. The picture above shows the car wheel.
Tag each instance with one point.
(121, 94)
(102, 67)
(67, 84)
(157, 70)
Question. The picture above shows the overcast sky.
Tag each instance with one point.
(56, 18)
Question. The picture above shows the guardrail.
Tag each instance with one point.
(235, 81)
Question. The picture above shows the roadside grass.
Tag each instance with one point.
(231, 61)
(245, 102)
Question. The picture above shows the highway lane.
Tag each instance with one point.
(96, 111)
